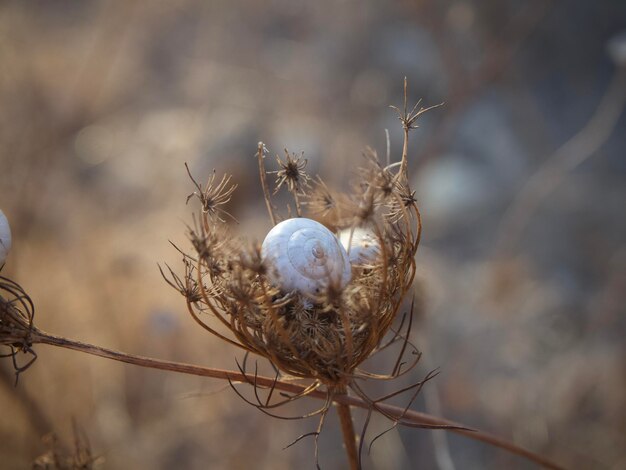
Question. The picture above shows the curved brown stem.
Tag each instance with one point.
(408, 417)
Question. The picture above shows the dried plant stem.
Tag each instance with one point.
(349, 436)
(266, 193)
(407, 416)
(297, 200)
(408, 119)
(405, 145)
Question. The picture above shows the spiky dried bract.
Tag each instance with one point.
(327, 337)
(403, 199)
(213, 195)
(380, 178)
(292, 173)
(321, 201)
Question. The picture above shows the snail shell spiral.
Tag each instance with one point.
(303, 255)
(5, 238)
(364, 247)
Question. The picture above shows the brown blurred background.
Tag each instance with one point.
(522, 280)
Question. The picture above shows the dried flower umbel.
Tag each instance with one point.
(232, 281)
(320, 334)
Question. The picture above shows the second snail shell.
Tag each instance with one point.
(364, 247)
(5, 238)
(304, 256)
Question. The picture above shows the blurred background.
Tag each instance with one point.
(520, 177)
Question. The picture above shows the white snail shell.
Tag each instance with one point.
(5, 238)
(303, 255)
(364, 247)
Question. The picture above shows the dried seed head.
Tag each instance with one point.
(187, 285)
(379, 178)
(250, 259)
(212, 196)
(292, 173)
(321, 201)
(403, 198)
